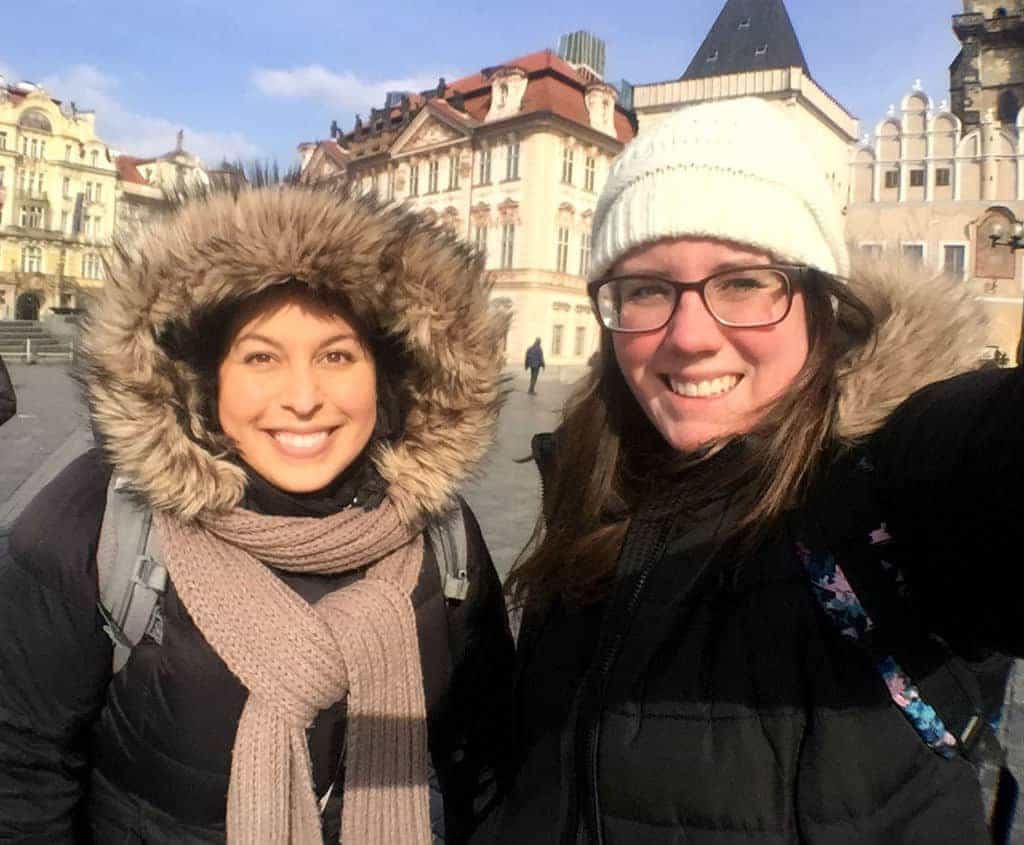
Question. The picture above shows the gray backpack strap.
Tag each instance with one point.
(130, 577)
(447, 534)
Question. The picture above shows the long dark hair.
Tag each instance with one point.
(609, 456)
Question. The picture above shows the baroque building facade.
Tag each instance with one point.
(58, 185)
(64, 197)
(512, 159)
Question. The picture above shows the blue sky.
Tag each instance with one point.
(254, 79)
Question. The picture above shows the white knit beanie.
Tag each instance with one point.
(734, 170)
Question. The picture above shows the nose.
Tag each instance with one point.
(692, 330)
(302, 394)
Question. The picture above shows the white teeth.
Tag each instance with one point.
(300, 441)
(714, 387)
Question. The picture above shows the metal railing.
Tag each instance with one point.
(30, 355)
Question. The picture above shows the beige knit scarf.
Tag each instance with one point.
(296, 659)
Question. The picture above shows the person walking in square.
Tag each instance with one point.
(534, 363)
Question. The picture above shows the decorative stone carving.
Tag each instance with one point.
(508, 85)
(508, 211)
(600, 101)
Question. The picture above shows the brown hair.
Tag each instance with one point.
(609, 456)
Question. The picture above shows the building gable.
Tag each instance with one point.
(428, 131)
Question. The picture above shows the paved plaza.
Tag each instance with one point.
(51, 429)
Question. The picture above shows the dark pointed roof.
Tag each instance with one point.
(748, 35)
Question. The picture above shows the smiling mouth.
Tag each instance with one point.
(301, 444)
(703, 389)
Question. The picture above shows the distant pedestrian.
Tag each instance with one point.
(534, 363)
(8, 401)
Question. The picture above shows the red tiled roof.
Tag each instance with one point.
(128, 171)
(555, 86)
(333, 152)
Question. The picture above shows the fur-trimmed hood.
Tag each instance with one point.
(421, 285)
(929, 329)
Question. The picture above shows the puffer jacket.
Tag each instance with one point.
(710, 699)
(145, 756)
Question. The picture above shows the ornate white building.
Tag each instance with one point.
(512, 159)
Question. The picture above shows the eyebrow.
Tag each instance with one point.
(271, 342)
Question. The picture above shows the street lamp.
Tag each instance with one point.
(1013, 240)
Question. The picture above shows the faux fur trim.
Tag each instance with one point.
(419, 282)
(929, 329)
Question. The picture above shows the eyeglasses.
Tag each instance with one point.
(742, 297)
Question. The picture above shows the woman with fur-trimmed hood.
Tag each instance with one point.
(780, 571)
(293, 384)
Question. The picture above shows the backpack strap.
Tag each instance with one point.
(130, 577)
(447, 536)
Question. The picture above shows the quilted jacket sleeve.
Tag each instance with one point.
(55, 660)
(951, 469)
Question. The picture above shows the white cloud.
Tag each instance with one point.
(135, 133)
(338, 90)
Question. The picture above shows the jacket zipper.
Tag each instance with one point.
(592, 739)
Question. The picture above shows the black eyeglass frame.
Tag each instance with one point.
(788, 271)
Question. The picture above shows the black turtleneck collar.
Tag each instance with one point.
(359, 485)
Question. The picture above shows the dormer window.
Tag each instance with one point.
(761, 50)
(713, 56)
(745, 23)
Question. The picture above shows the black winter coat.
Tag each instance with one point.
(8, 401)
(709, 700)
(145, 756)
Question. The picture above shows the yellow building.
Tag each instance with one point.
(512, 159)
(57, 202)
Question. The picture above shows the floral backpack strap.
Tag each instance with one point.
(844, 609)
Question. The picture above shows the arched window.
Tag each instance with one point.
(35, 119)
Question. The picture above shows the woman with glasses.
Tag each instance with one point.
(780, 562)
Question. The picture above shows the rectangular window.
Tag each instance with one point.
(31, 259)
(94, 158)
(912, 253)
(67, 153)
(64, 216)
(391, 185)
(917, 178)
(32, 216)
(584, 253)
(42, 149)
(953, 260)
(414, 180)
(66, 187)
(942, 176)
(581, 341)
(88, 191)
(512, 161)
(453, 173)
(556, 339)
(484, 172)
(589, 166)
(2, 177)
(97, 192)
(432, 170)
(480, 239)
(3, 140)
(892, 178)
(567, 155)
(34, 148)
(508, 245)
(871, 250)
(562, 250)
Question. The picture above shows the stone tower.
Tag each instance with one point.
(986, 79)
